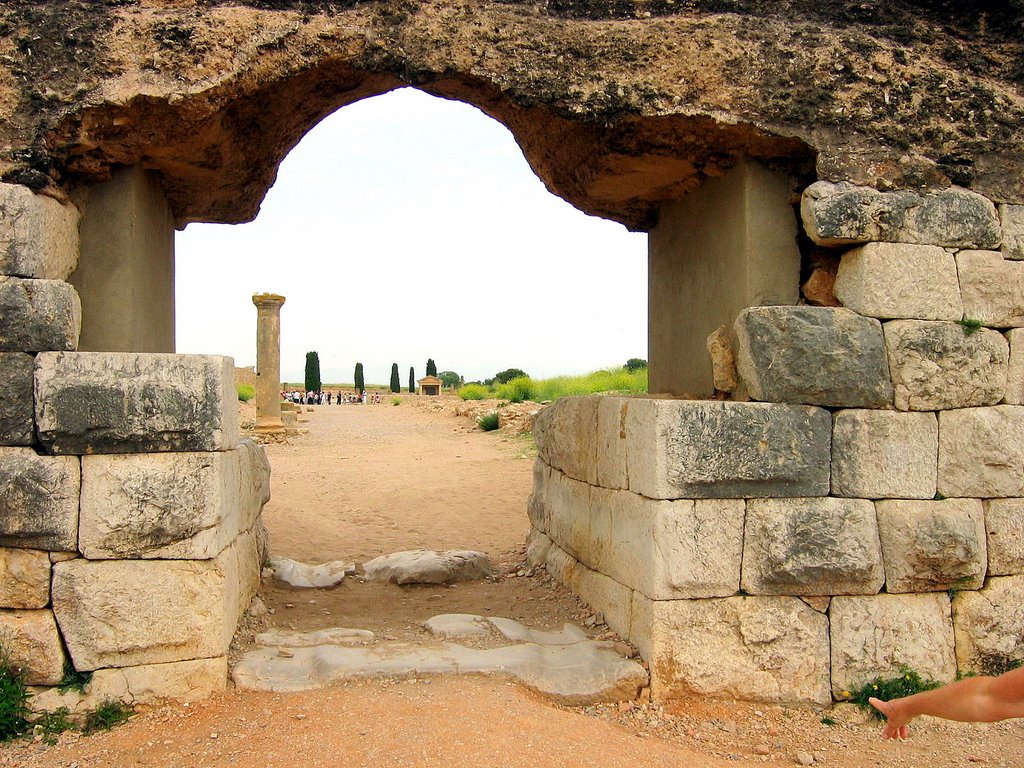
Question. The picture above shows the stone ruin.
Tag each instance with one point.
(836, 492)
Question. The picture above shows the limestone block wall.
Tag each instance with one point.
(130, 529)
(857, 507)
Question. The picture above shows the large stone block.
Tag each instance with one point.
(611, 442)
(814, 355)
(24, 578)
(1012, 218)
(33, 645)
(1004, 523)
(123, 402)
(822, 546)
(845, 214)
(981, 452)
(878, 636)
(772, 649)
(39, 500)
(181, 506)
(123, 613)
(884, 454)
(989, 626)
(932, 546)
(938, 365)
(677, 449)
(1014, 394)
(896, 280)
(16, 425)
(145, 685)
(992, 288)
(566, 437)
(38, 315)
(38, 235)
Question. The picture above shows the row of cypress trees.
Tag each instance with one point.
(313, 383)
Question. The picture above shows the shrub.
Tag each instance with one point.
(396, 401)
(508, 374)
(473, 392)
(517, 390)
(13, 701)
(246, 392)
(489, 421)
(431, 367)
(412, 380)
(106, 716)
(635, 364)
(886, 688)
(969, 326)
(450, 379)
(73, 680)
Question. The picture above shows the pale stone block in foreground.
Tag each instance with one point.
(1014, 394)
(180, 506)
(38, 235)
(771, 649)
(1012, 218)
(723, 360)
(143, 685)
(992, 288)
(611, 442)
(989, 626)
(123, 613)
(566, 437)
(814, 355)
(1004, 522)
(709, 449)
(937, 366)
(124, 402)
(24, 578)
(600, 592)
(896, 280)
(16, 411)
(932, 546)
(845, 214)
(981, 452)
(38, 315)
(39, 500)
(822, 546)
(31, 640)
(884, 454)
(880, 635)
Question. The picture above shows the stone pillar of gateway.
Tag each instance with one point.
(268, 362)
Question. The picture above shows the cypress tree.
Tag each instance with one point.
(396, 386)
(431, 367)
(412, 381)
(359, 383)
(312, 372)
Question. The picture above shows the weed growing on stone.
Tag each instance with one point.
(488, 422)
(106, 716)
(13, 700)
(885, 688)
(829, 721)
(52, 724)
(73, 680)
(969, 325)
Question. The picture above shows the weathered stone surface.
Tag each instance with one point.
(31, 640)
(611, 442)
(123, 402)
(537, 546)
(38, 235)
(685, 449)
(981, 452)
(992, 288)
(878, 636)
(24, 578)
(772, 649)
(1012, 218)
(38, 500)
(302, 575)
(1014, 394)
(600, 592)
(142, 685)
(896, 280)
(276, 638)
(123, 613)
(813, 355)
(427, 567)
(884, 454)
(520, 633)
(38, 315)
(844, 214)
(932, 546)
(16, 411)
(1004, 523)
(823, 546)
(989, 626)
(455, 626)
(820, 288)
(565, 434)
(938, 365)
(180, 506)
(723, 361)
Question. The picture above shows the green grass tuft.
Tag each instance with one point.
(473, 392)
(246, 392)
(488, 422)
(13, 702)
(829, 721)
(517, 390)
(908, 683)
(969, 325)
(73, 680)
(396, 401)
(106, 716)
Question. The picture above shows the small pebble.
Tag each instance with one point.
(762, 749)
(804, 758)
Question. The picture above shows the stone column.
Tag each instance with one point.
(268, 362)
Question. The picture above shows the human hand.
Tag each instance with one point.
(895, 723)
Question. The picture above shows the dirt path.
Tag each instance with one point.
(368, 480)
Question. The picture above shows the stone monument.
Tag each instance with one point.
(268, 362)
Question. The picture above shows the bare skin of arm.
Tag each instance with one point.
(976, 699)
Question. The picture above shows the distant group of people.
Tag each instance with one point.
(329, 397)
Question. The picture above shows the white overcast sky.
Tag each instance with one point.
(405, 227)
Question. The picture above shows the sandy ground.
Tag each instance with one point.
(368, 480)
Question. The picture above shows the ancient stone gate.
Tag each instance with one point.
(852, 502)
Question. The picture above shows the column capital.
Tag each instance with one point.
(267, 299)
